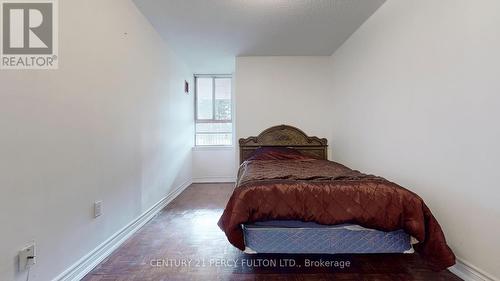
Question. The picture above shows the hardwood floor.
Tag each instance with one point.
(183, 242)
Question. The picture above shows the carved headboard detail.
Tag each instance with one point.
(284, 136)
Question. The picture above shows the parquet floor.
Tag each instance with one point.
(183, 242)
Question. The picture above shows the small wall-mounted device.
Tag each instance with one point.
(27, 257)
(97, 209)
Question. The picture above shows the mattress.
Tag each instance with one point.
(312, 238)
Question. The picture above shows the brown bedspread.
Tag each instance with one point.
(329, 193)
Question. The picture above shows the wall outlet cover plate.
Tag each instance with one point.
(27, 257)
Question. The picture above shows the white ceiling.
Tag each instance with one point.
(209, 34)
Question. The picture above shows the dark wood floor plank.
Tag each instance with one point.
(183, 242)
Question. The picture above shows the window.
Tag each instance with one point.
(213, 112)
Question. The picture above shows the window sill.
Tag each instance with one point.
(213, 147)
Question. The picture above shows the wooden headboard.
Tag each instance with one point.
(284, 136)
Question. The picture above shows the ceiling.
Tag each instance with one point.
(209, 34)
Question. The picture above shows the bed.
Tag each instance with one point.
(289, 198)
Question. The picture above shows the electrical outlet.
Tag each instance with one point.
(97, 209)
(27, 257)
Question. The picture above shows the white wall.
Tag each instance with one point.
(282, 90)
(112, 124)
(269, 91)
(214, 164)
(416, 98)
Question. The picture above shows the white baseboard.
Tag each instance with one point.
(468, 272)
(78, 270)
(213, 179)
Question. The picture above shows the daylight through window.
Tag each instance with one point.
(214, 124)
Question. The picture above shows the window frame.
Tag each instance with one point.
(213, 120)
